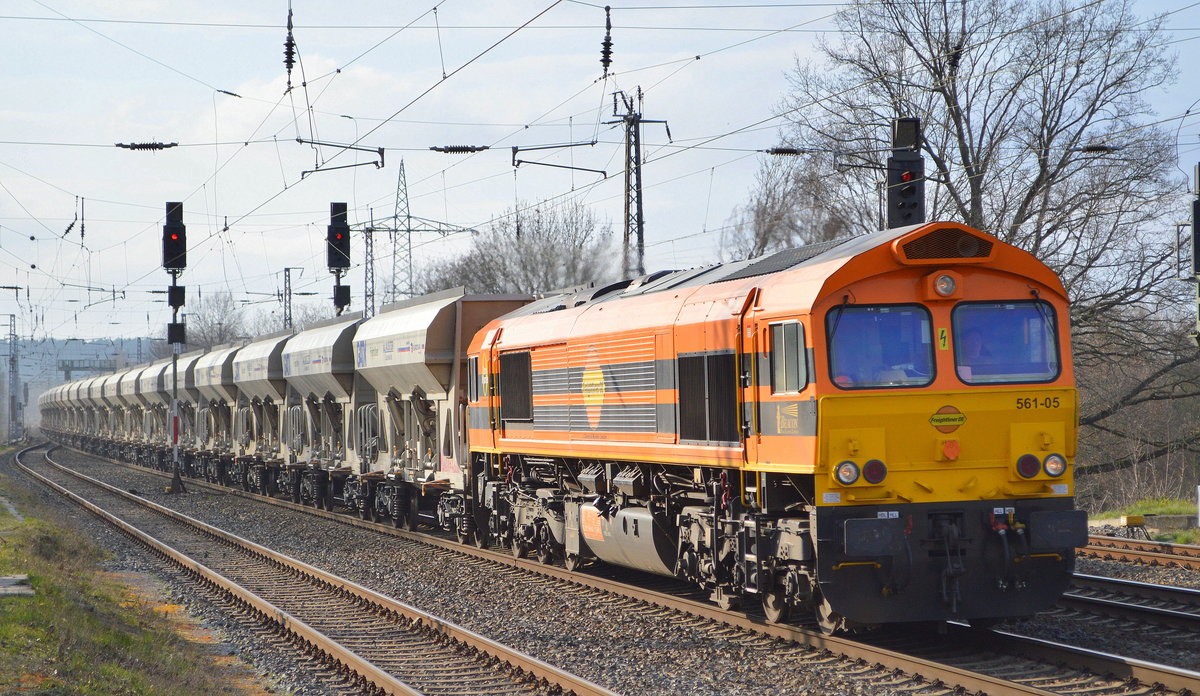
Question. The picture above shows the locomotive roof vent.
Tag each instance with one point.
(946, 244)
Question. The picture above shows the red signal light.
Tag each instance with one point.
(174, 236)
(906, 177)
(338, 235)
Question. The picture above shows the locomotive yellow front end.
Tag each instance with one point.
(946, 418)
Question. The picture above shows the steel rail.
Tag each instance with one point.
(1042, 651)
(1145, 590)
(566, 681)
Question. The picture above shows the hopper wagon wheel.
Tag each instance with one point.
(365, 504)
(396, 507)
(572, 561)
(414, 509)
(325, 492)
(294, 485)
(463, 536)
(480, 537)
(245, 474)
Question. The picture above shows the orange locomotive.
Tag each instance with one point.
(876, 430)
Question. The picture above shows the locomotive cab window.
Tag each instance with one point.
(879, 346)
(788, 368)
(1005, 342)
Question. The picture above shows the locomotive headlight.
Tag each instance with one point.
(945, 285)
(1028, 466)
(846, 473)
(1055, 465)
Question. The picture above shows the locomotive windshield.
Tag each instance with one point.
(880, 346)
(1005, 342)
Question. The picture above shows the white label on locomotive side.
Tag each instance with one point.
(831, 497)
(589, 524)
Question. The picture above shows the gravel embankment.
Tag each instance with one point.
(276, 663)
(629, 652)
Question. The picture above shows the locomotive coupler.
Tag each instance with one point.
(950, 535)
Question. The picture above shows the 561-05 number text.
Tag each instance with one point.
(1032, 402)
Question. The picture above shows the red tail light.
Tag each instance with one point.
(874, 471)
(1029, 466)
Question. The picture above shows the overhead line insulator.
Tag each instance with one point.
(459, 149)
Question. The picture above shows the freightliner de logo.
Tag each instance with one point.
(593, 394)
(947, 419)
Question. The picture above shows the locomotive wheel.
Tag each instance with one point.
(775, 606)
(829, 620)
(518, 547)
(479, 538)
(572, 562)
(545, 546)
(463, 536)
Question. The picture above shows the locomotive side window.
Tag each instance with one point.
(880, 346)
(788, 373)
(516, 387)
(1005, 342)
(472, 379)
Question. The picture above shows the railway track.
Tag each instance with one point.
(1153, 553)
(379, 644)
(994, 662)
(1159, 605)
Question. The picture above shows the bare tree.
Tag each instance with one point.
(783, 212)
(304, 314)
(537, 249)
(1036, 130)
(214, 319)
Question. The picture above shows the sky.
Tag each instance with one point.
(81, 220)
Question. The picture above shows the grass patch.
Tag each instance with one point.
(1153, 506)
(80, 635)
(1185, 536)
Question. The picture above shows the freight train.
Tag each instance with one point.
(873, 430)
